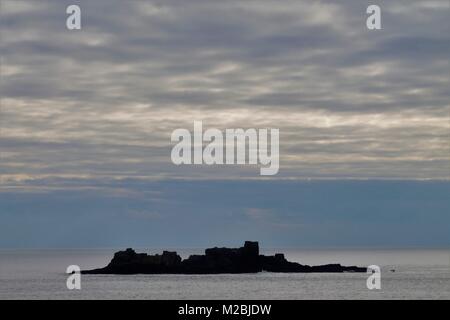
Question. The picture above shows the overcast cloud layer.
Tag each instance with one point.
(103, 101)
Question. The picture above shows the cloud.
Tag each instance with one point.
(102, 102)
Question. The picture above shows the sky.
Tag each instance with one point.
(86, 118)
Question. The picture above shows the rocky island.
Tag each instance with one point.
(215, 260)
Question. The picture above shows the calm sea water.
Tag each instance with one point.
(40, 274)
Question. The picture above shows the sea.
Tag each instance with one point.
(405, 274)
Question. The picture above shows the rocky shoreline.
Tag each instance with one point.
(245, 259)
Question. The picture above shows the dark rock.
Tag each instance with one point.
(215, 260)
(225, 260)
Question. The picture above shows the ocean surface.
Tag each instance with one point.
(40, 274)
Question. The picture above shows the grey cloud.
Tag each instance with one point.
(105, 99)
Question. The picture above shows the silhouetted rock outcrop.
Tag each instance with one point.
(215, 260)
